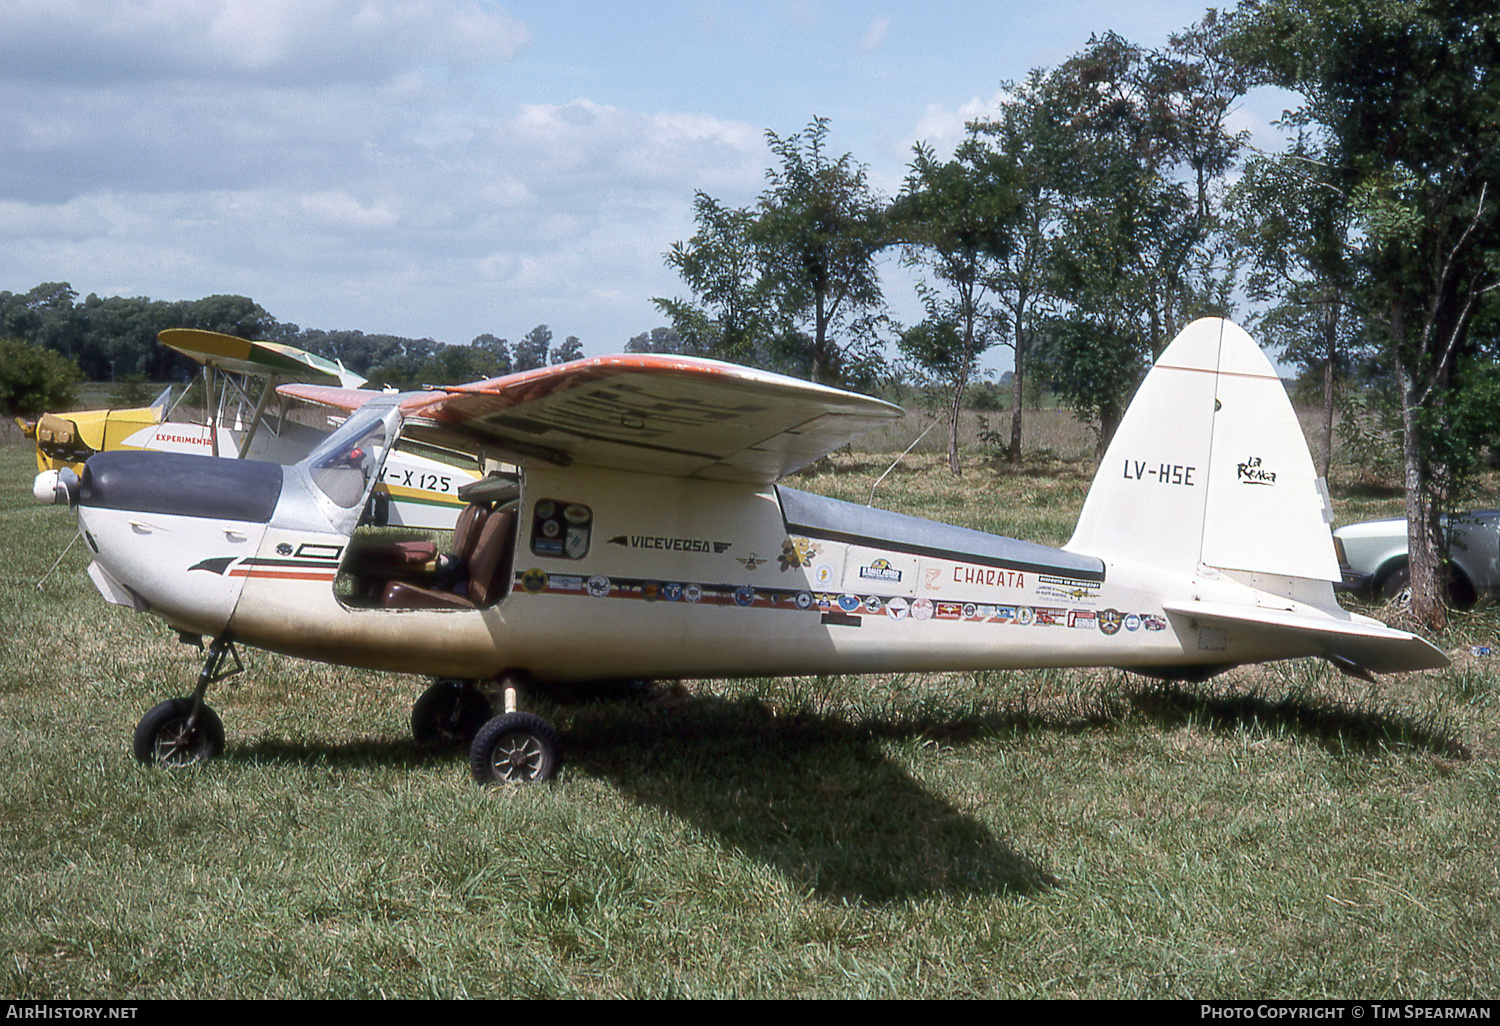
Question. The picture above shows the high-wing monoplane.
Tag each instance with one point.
(243, 416)
(640, 531)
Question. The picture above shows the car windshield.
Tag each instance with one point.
(343, 466)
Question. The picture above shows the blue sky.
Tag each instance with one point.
(445, 168)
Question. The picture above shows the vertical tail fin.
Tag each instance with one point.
(1209, 466)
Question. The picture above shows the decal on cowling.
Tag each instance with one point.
(798, 552)
(561, 530)
(880, 570)
(293, 569)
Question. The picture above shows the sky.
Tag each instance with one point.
(447, 168)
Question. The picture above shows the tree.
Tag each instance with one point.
(531, 352)
(1023, 133)
(572, 349)
(1407, 96)
(789, 283)
(721, 266)
(1298, 228)
(953, 218)
(493, 352)
(34, 380)
(1138, 140)
(817, 234)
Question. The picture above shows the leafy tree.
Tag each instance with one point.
(493, 354)
(1298, 228)
(34, 380)
(791, 282)
(571, 349)
(1136, 142)
(1407, 96)
(657, 340)
(817, 233)
(953, 218)
(531, 352)
(1026, 135)
(721, 266)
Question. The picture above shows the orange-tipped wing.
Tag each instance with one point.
(676, 416)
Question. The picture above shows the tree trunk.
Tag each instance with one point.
(1017, 394)
(1330, 363)
(1422, 544)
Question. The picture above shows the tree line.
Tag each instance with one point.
(114, 339)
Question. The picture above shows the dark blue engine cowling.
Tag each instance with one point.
(178, 483)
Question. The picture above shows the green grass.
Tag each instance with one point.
(1277, 832)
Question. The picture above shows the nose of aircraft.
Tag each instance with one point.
(153, 520)
(181, 485)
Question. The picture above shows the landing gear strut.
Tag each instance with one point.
(185, 731)
(515, 747)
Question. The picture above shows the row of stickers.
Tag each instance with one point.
(1109, 621)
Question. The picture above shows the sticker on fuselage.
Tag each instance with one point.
(842, 609)
(561, 530)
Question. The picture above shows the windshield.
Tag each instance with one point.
(344, 466)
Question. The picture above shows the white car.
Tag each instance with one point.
(1374, 553)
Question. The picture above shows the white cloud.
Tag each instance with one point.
(273, 40)
(942, 128)
(875, 36)
(339, 209)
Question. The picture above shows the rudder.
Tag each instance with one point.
(1209, 466)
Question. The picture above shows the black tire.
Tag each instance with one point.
(162, 737)
(515, 748)
(449, 714)
(1394, 584)
(1460, 593)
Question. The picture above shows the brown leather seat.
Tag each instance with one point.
(489, 569)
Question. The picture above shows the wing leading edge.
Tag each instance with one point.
(676, 416)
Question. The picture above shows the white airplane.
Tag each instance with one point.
(415, 490)
(642, 534)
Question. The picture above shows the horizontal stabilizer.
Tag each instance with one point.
(1366, 643)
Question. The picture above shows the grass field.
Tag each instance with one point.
(1278, 832)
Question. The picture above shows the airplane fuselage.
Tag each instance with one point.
(614, 574)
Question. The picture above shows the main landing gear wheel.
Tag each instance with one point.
(168, 736)
(449, 714)
(515, 748)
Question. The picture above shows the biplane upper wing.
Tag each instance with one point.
(257, 359)
(677, 416)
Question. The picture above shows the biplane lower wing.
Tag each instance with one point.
(675, 416)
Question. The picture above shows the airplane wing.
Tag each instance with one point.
(677, 416)
(257, 359)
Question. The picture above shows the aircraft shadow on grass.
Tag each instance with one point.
(817, 797)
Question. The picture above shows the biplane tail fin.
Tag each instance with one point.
(1209, 467)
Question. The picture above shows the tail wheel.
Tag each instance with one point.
(515, 748)
(165, 738)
